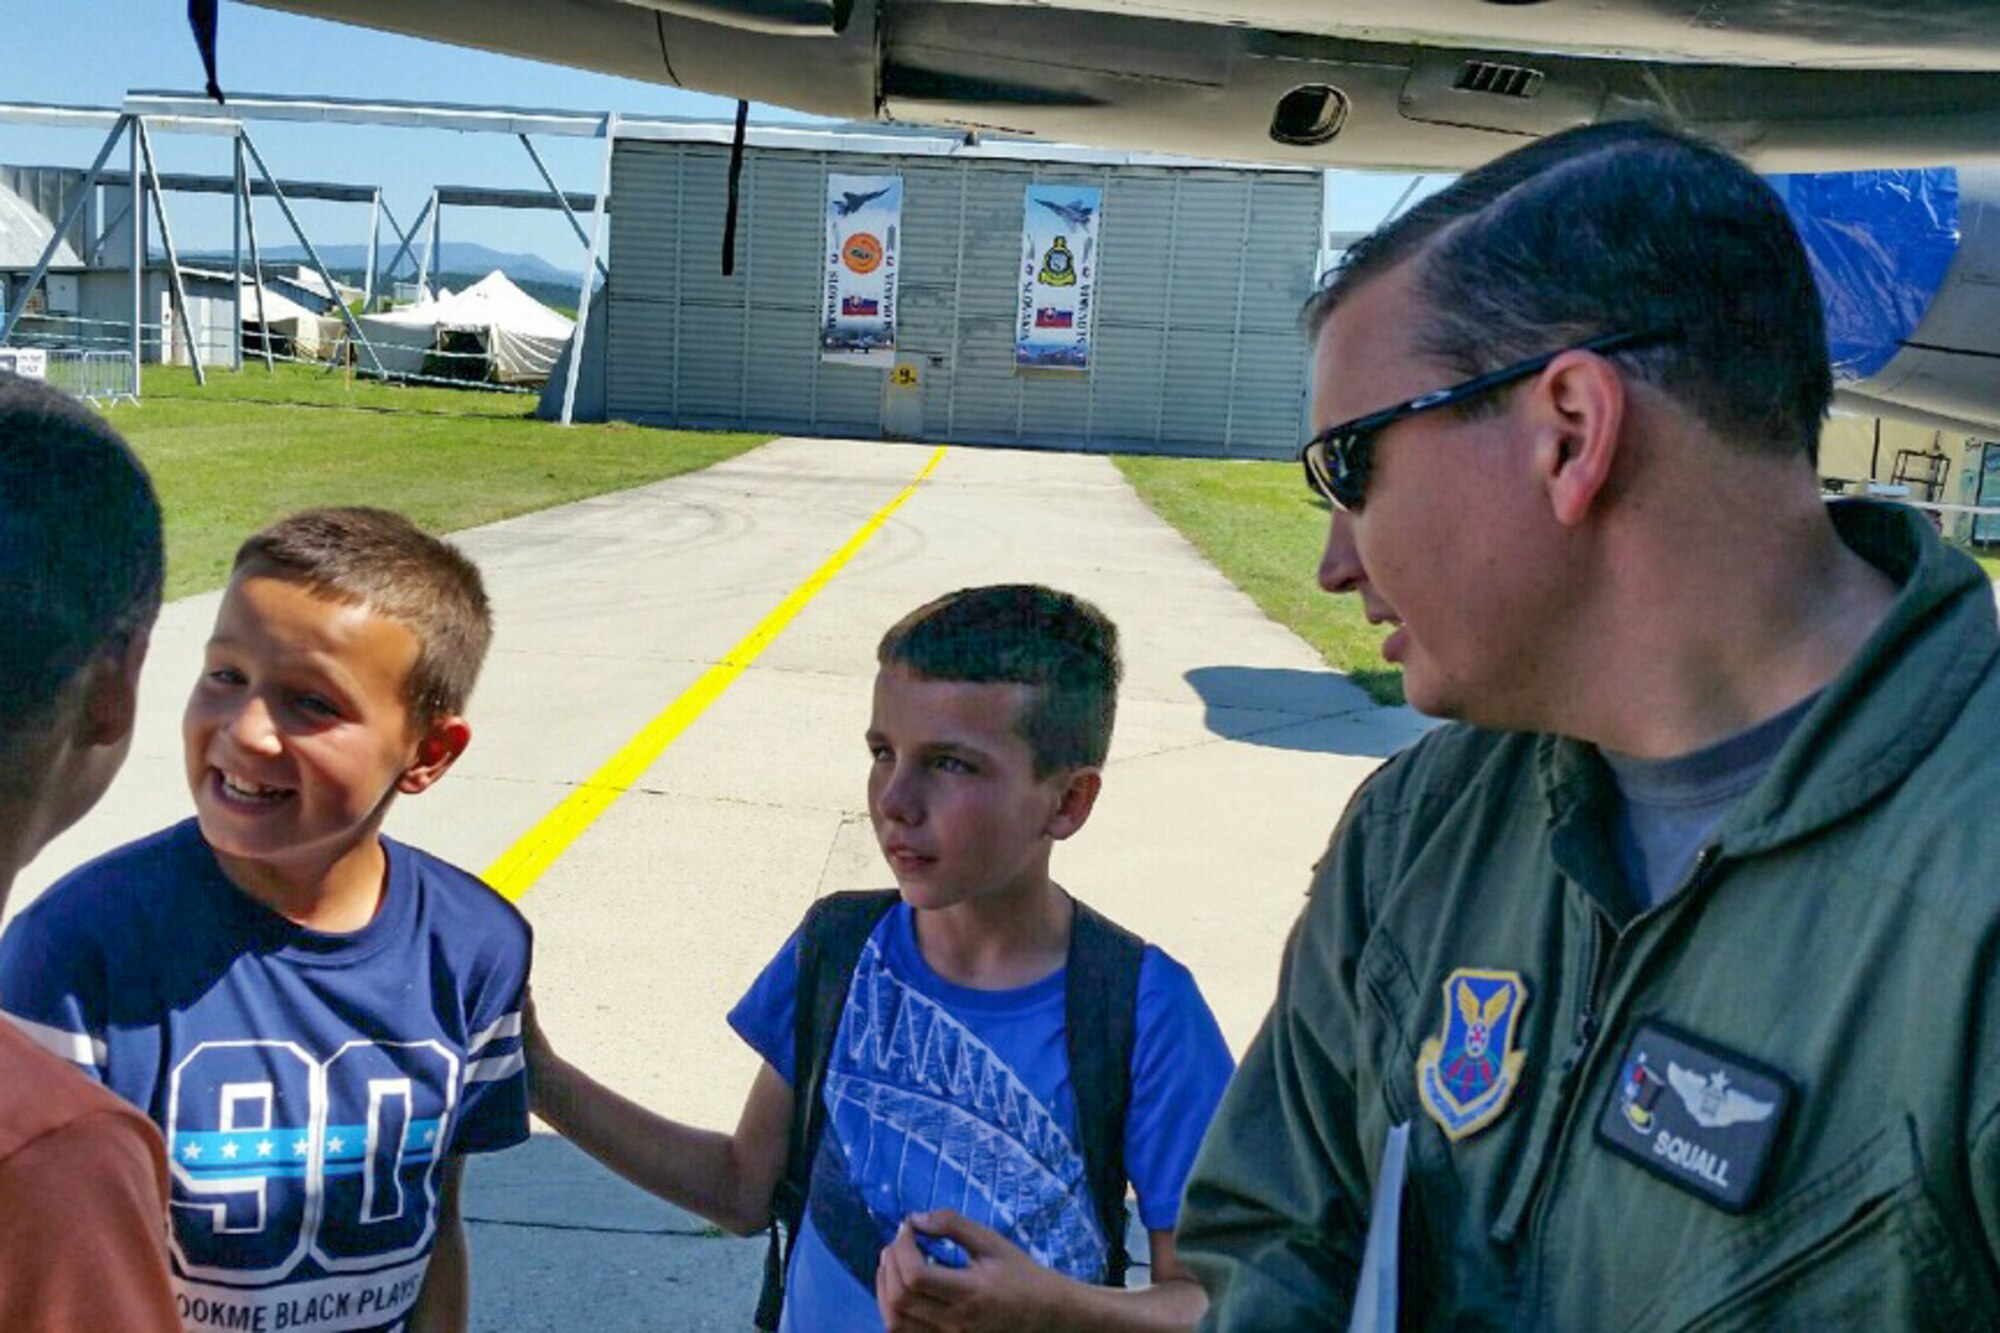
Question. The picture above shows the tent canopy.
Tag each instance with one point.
(518, 335)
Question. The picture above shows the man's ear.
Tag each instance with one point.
(1073, 806)
(443, 740)
(110, 688)
(1580, 418)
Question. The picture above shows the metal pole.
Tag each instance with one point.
(173, 261)
(236, 270)
(409, 239)
(434, 248)
(137, 209)
(62, 229)
(256, 259)
(374, 242)
(576, 341)
(561, 198)
(353, 326)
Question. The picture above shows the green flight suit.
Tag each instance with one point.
(1842, 927)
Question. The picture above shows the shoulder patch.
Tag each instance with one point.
(1467, 1075)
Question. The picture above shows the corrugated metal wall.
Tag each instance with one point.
(1196, 347)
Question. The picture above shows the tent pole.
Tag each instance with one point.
(562, 200)
(174, 282)
(589, 271)
(256, 260)
(284, 205)
(62, 229)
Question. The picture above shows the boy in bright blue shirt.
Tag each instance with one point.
(949, 1183)
(322, 1021)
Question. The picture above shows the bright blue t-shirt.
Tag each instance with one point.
(941, 1096)
(309, 1085)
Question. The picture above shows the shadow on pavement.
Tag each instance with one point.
(1319, 711)
(559, 1244)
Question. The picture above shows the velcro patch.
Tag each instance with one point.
(1699, 1117)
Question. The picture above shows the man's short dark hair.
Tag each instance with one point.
(82, 563)
(383, 561)
(1621, 227)
(1023, 634)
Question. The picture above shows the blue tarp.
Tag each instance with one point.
(1880, 243)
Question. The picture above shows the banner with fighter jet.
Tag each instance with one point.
(1058, 277)
(863, 216)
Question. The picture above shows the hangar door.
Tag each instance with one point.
(1196, 347)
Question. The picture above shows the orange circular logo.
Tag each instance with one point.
(862, 253)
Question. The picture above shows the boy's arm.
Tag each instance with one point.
(98, 1258)
(1001, 1289)
(726, 1178)
(445, 1305)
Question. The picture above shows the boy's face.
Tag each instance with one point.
(952, 792)
(297, 732)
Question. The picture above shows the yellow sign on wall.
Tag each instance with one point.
(904, 376)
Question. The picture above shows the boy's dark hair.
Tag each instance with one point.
(1620, 227)
(81, 558)
(1022, 634)
(388, 564)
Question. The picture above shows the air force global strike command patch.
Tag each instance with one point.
(1695, 1115)
(1466, 1077)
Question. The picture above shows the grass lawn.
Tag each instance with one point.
(1257, 523)
(254, 446)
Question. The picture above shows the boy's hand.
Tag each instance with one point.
(999, 1290)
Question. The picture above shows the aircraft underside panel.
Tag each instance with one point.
(1948, 367)
(1425, 95)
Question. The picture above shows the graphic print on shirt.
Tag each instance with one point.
(922, 1114)
(318, 1174)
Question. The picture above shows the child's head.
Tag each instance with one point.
(81, 567)
(1061, 647)
(345, 647)
(382, 561)
(992, 716)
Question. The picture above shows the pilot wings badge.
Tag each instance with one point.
(1466, 1077)
(1712, 1103)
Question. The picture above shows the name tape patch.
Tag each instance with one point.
(1698, 1116)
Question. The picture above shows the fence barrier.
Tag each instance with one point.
(100, 377)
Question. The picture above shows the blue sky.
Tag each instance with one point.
(91, 52)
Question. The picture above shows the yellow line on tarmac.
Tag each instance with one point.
(522, 864)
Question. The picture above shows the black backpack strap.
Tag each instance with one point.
(830, 942)
(1103, 1000)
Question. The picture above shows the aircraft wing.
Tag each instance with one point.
(1795, 85)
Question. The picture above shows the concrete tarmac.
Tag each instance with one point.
(1236, 750)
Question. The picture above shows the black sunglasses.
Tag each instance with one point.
(1336, 460)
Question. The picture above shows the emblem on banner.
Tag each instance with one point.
(862, 253)
(1058, 265)
(1467, 1075)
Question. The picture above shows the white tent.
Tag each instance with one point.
(517, 336)
(294, 330)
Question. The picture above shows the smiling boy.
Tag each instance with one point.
(971, 1131)
(322, 1021)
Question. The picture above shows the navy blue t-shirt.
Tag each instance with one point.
(942, 1096)
(309, 1085)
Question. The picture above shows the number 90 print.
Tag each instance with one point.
(277, 1156)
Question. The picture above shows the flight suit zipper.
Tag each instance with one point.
(1604, 943)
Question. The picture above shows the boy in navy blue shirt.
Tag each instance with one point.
(949, 1188)
(322, 1021)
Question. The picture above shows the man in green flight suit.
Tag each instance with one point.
(1670, 973)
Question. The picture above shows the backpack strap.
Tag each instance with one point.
(1102, 1004)
(830, 942)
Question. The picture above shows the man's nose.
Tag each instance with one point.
(1339, 563)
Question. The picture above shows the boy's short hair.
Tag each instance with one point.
(1022, 634)
(82, 563)
(383, 561)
